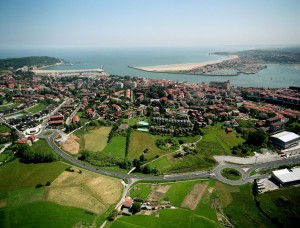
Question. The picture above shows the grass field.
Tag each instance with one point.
(140, 191)
(24, 205)
(242, 209)
(217, 142)
(46, 214)
(139, 141)
(86, 190)
(96, 140)
(231, 174)
(283, 205)
(4, 128)
(42, 145)
(116, 147)
(16, 175)
(169, 164)
(9, 106)
(37, 108)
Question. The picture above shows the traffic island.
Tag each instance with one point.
(231, 174)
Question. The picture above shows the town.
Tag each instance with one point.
(150, 126)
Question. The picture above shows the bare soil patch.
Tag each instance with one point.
(87, 190)
(3, 203)
(71, 145)
(192, 199)
(158, 192)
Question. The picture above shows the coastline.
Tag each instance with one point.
(176, 68)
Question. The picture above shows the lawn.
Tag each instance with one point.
(15, 175)
(4, 128)
(9, 106)
(37, 108)
(116, 147)
(139, 141)
(217, 142)
(96, 140)
(135, 120)
(283, 205)
(46, 214)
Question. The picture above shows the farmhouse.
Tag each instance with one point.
(285, 139)
(287, 177)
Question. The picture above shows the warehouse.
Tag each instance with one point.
(285, 177)
(285, 139)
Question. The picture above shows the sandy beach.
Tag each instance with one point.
(185, 66)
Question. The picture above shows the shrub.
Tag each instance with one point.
(39, 185)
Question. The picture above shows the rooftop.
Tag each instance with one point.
(286, 136)
(285, 175)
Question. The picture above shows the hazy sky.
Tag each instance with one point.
(144, 23)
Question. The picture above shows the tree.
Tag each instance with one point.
(256, 138)
(142, 158)
(112, 215)
(136, 207)
(146, 169)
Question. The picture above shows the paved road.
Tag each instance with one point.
(215, 173)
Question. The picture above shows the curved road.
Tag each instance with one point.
(215, 173)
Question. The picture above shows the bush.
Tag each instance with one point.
(112, 215)
(48, 183)
(136, 207)
(38, 186)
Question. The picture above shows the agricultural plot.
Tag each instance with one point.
(140, 191)
(210, 204)
(86, 190)
(116, 147)
(192, 199)
(186, 196)
(96, 140)
(24, 205)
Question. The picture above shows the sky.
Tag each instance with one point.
(147, 23)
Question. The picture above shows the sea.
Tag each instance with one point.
(115, 61)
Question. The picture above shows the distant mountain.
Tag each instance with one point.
(37, 61)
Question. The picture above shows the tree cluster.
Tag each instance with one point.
(29, 155)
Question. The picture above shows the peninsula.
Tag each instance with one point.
(245, 62)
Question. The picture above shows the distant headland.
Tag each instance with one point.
(246, 62)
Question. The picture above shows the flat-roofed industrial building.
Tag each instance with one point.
(285, 139)
(286, 177)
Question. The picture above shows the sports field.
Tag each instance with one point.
(37, 108)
